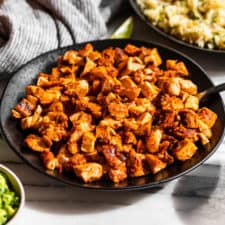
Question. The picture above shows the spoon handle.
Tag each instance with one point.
(213, 90)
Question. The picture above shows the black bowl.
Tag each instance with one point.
(27, 75)
(138, 11)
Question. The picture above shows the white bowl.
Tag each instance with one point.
(16, 186)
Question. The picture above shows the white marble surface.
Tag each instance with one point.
(197, 198)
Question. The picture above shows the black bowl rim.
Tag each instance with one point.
(114, 189)
(138, 11)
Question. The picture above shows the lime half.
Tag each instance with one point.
(125, 30)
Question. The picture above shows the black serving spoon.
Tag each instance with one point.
(208, 93)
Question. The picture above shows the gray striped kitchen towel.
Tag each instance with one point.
(31, 27)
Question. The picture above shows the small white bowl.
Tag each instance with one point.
(16, 186)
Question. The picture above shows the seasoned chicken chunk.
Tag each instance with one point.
(89, 65)
(153, 140)
(38, 144)
(171, 103)
(179, 67)
(189, 118)
(188, 86)
(207, 116)
(49, 160)
(136, 165)
(88, 142)
(149, 90)
(154, 163)
(191, 102)
(169, 85)
(118, 110)
(26, 106)
(32, 121)
(89, 172)
(184, 150)
(78, 88)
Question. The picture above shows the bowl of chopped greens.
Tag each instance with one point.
(11, 196)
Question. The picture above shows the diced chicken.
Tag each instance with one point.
(118, 175)
(182, 132)
(153, 58)
(104, 133)
(89, 65)
(116, 140)
(26, 106)
(140, 147)
(154, 163)
(168, 119)
(129, 89)
(169, 85)
(109, 152)
(88, 142)
(111, 97)
(38, 144)
(79, 88)
(63, 156)
(163, 153)
(109, 84)
(131, 124)
(15, 114)
(89, 172)
(179, 67)
(118, 110)
(129, 138)
(68, 70)
(107, 57)
(98, 72)
(55, 118)
(86, 50)
(203, 128)
(45, 80)
(72, 57)
(54, 132)
(74, 160)
(94, 55)
(81, 123)
(146, 103)
(81, 117)
(32, 121)
(121, 59)
(204, 140)
(191, 102)
(56, 107)
(45, 96)
(49, 160)
(184, 150)
(188, 86)
(171, 103)
(207, 116)
(144, 122)
(153, 140)
(189, 118)
(84, 104)
(117, 168)
(135, 164)
(132, 50)
(109, 122)
(149, 90)
(134, 64)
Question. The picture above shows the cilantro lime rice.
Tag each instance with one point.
(9, 201)
(199, 22)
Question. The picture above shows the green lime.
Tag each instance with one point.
(125, 30)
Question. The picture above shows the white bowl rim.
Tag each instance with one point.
(21, 188)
